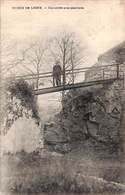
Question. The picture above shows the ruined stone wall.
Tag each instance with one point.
(100, 72)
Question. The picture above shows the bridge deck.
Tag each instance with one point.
(72, 86)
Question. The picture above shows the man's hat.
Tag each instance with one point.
(57, 62)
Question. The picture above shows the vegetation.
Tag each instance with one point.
(21, 102)
(33, 174)
(24, 92)
(54, 175)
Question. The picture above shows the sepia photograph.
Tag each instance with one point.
(62, 97)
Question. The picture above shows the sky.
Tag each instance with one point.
(100, 25)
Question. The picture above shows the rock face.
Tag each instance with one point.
(23, 135)
(114, 55)
(93, 113)
(55, 136)
(97, 113)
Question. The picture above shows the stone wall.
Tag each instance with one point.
(100, 72)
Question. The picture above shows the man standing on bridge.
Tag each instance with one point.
(57, 72)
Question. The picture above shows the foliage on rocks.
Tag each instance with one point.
(21, 102)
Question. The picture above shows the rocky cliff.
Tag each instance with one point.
(92, 113)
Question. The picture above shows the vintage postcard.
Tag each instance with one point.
(62, 97)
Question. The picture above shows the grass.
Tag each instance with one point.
(31, 174)
(67, 184)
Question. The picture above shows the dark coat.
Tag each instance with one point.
(57, 71)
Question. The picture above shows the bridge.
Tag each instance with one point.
(99, 75)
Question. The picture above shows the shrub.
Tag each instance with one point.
(24, 92)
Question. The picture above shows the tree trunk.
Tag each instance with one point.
(72, 68)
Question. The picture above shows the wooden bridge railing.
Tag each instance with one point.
(76, 70)
(94, 73)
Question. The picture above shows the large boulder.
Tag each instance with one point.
(54, 134)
